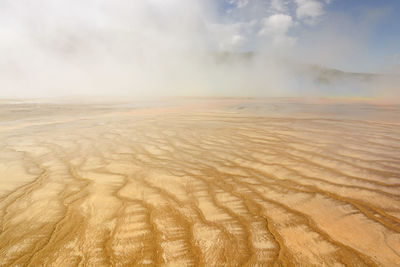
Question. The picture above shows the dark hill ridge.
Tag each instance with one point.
(320, 74)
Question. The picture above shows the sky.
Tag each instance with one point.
(370, 25)
(171, 47)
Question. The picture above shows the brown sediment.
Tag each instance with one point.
(190, 187)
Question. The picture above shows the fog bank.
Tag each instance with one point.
(176, 48)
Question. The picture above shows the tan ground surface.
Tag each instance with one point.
(198, 185)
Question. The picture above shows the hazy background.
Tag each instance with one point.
(143, 48)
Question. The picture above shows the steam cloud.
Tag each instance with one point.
(170, 48)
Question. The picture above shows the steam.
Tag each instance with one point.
(164, 47)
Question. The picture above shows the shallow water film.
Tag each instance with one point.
(199, 183)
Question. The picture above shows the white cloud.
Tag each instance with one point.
(276, 26)
(239, 3)
(279, 5)
(228, 36)
(309, 10)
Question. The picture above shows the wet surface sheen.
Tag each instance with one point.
(182, 186)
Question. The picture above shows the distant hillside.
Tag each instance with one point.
(325, 75)
(318, 73)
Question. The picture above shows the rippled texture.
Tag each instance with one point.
(184, 186)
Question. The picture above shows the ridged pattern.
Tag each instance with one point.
(199, 189)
